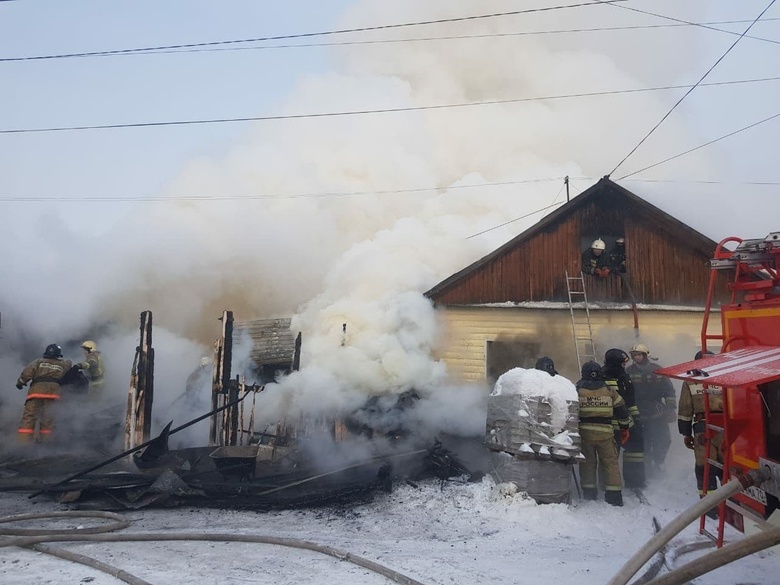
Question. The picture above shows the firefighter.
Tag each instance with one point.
(92, 366)
(44, 375)
(633, 450)
(546, 364)
(599, 405)
(616, 259)
(594, 260)
(691, 424)
(656, 401)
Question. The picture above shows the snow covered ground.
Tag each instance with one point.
(462, 534)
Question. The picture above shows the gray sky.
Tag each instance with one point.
(173, 250)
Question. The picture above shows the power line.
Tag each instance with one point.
(313, 34)
(442, 38)
(706, 25)
(707, 182)
(374, 111)
(495, 227)
(260, 197)
(748, 127)
(687, 93)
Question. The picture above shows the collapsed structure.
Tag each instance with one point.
(308, 461)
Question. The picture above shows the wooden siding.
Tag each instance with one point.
(671, 335)
(667, 264)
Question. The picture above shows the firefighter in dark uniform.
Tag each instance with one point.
(656, 401)
(691, 424)
(616, 259)
(633, 450)
(599, 405)
(44, 375)
(594, 260)
(545, 364)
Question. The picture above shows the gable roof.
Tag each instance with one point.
(697, 241)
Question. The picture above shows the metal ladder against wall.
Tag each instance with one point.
(580, 321)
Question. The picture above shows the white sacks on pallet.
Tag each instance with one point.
(532, 426)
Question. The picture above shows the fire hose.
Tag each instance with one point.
(708, 502)
(32, 538)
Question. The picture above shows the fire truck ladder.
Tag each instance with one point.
(751, 257)
(715, 427)
(580, 319)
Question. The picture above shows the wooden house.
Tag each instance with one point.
(512, 306)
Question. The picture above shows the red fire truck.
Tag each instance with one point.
(746, 373)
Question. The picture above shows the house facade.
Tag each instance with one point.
(512, 306)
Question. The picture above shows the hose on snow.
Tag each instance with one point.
(708, 502)
(99, 534)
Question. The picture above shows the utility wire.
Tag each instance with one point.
(495, 227)
(257, 197)
(687, 93)
(706, 25)
(446, 38)
(707, 182)
(315, 34)
(748, 127)
(375, 111)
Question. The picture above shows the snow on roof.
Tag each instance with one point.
(593, 306)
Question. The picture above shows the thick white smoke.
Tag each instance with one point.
(362, 259)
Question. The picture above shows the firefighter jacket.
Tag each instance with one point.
(93, 367)
(598, 408)
(616, 259)
(654, 393)
(44, 375)
(690, 414)
(619, 380)
(591, 262)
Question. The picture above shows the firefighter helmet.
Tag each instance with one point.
(640, 348)
(52, 351)
(699, 354)
(621, 241)
(615, 357)
(598, 244)
(592, 371)
(89, 345)
(546, 364)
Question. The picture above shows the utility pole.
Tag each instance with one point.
(566, 182)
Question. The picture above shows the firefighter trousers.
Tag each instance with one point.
(658, 439)
(634, 458)
(37, 411)
(600, 455)
(716, 453)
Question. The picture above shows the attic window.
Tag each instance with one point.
(603, 255)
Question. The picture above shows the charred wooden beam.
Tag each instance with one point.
(138, 421)
(296, 363)
(221, 384)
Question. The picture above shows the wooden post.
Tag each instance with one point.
(138, 421)
(221, 383)
(296, 364)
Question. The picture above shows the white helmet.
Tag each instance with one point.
(89, 346)
(598, 244)
(640, 348)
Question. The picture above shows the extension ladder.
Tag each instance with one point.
(580, 321)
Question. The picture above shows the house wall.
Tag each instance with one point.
(673, 336)
(668, 264)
